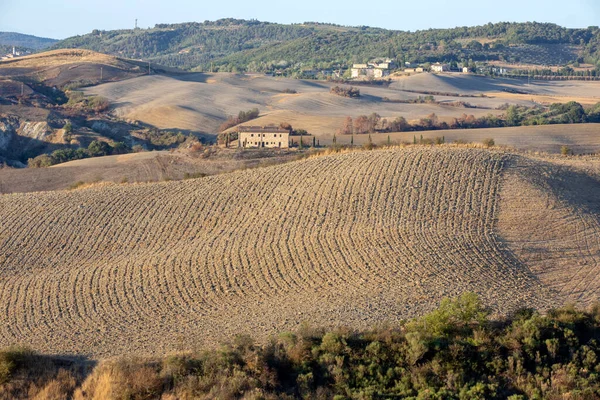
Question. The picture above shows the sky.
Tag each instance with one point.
(63, 18)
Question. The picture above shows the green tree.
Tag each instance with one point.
(512, 116)
(98, 148)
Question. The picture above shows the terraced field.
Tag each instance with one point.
(349, 239)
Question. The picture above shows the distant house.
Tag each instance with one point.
(373, 69)
(438, 67)
(263, 136)
(418, 69)
(499, 71)
(465, 70)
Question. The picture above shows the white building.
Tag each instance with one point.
(263, 136)
(437, 67)
(377, 69)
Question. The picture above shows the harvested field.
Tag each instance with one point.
(549, 219)
(60, 67)
(135, 167)
(580, 138)
(349, 239)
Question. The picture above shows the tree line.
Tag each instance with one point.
(558, 113)
(232, 45)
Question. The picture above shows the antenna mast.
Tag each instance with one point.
(136, 23)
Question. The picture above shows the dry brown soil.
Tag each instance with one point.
(346, 239)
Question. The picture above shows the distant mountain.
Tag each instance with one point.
(20, 40)
(242, 45)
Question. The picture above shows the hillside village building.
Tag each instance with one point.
(373, 69)
(437, 67)
(263, 136)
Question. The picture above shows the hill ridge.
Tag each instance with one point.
(230, 45)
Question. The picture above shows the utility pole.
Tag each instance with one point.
(148, 67)
(101, 75)
(22, 89)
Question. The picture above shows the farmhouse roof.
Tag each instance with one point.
(262, 129)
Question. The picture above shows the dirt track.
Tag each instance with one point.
(352, 239)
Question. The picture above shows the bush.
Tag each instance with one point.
(194, 175)
(68, 128)
(489, 142)
(565, 150)
(41, 161)
(454, 352)
(98, 149)
(11, 359)
(345, 91)
(98, 103)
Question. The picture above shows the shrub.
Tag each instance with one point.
(489, 142)
(565, 150)
(98, 103)
(98, 148)
(68, 128)
(76, 185)
(41, 161)
(194, 175)
(454, 352)
(120, 148)
(11, 359)
(350, 92)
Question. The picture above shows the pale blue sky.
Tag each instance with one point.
(63, 18)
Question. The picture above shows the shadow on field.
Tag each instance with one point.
(480, 84)
(30, 375)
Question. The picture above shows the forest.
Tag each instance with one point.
(232, 45)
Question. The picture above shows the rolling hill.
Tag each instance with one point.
(200, 102)
(62, 67)
(345, 239)
(241, 45)
(25, 41)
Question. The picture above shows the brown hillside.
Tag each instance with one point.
(135, 167)
(60, 67)
(351, 239)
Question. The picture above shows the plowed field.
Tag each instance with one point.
(350, 239)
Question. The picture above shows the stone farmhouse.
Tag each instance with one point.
(437, 67)
(263, 136)
(373, 69)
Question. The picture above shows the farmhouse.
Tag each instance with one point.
(373, 69)
(263, 136)
(437, 67)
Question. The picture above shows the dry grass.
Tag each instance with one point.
(350, 239)
(58, 58)
(135, 167)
